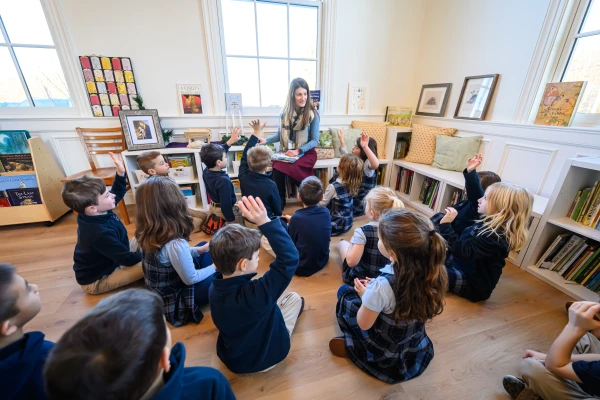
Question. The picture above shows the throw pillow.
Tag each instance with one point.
(452, 153)
(349, 139)
(376, 130)
(422, 143)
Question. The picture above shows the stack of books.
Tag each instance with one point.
(380, 176)
(282, 157)
(404, 180)
(176, 161)
(586, 207)
(401, 148)
(574, 258)
(322, 175)
(458, 196)
(429, 192)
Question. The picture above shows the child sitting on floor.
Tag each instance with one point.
(339, 194)
(477, 256)
(104, 258)
(254, 324)
(365, 148)
(121, 350)
(179, 273)
(571, 369)
(310, 228)
(361, 256)
(383, 319)
(153, 163)
(22, 355)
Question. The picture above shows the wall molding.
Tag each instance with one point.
(64, 160)
(328, 24)
(508, 146)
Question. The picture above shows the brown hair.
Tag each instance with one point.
(350, 170)
(231, 244)
(380, 199)
(418, 252)
(487, 178)
(80, 193)
(146, 160)
(162, 213)
(8, 300)
(372, 145)
(311, 191)
(259, 158)
(290, 104)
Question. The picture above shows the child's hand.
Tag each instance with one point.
(341, 133)
(255, 124)
(235, 135)
(582, 316)
(254, 210)
(360, 285)
(451, 214)
(364, 140)
(203, 249)
(118, 163)
(474, 162)
(536, 355)
(287, 217)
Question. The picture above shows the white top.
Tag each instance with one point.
(178, 254)
(359, 236)
(367, 170)
(330, 193)
(379, 296)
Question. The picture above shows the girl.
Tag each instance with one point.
(365, 148)
(477, 257)
(338, 196)
(361, 257)
(383, 319)
(179, 273)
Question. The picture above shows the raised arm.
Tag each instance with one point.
(244, 169)
(472, 183)
(119, 186)
(364, 143)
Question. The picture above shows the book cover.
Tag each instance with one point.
(546, 262)
(16, 162)
(18, 181)
(584, 272)
(573, 259)
(579, 262)
(559, 103)
(14, 142)
(591, 274)
(315, 97)
(569, 255)
(594, 283)
(399, 116)
(564, 251)
(189, 99)
(4, 202)
(573, 204)
(24, 196)
(590, 261)
(233, 102)
(582, 199)
(586, 205)
(593, 205)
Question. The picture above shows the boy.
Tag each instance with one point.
(121, 349)
(254, 326)
(22, 355)
(217, 182)
(310, 228)
(104, 258)
(571, 369)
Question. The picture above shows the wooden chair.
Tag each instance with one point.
(102, 141)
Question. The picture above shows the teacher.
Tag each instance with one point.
(298, 135)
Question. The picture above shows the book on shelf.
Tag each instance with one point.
(571, 258)
(176, 161)
(404, 180)
(401, 148)
(322, 175)
(585, 207)
(429, 190)
(574, 267)
(458, 196)
(585, 268)
(380, 176)
(552, 250)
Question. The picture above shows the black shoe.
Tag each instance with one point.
(513, 385)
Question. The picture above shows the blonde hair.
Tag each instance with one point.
(350, 170)
(508, 209)
(259, 158)
(379, 199)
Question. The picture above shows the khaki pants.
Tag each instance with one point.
(551, 387)
(212, 209)
(121, 276)
(264, 242)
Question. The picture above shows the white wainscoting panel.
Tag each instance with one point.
(70, 153)
(526, 165)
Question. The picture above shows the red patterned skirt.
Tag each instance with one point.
(301, 169)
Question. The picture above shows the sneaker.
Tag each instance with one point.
(337, 346)
(513, 385)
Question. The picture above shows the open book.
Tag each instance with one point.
(282, 157)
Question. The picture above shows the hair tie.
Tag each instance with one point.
(432, 232)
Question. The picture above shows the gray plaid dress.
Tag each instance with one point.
(371, 260)
(389, 351)
(368, 183)
(340, 210)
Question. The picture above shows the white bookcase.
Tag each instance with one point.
(575, 175)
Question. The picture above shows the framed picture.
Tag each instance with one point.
(189, 98)
(399, 116)
(433, 99)
(141, 129)
(475, 96)
(358, 98)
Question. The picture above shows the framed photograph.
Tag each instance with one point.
(189, 98)
(141, 129)
(358, 98)
(399, 116)
(433, 99)
(475, 96)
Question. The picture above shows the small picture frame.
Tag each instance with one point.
(141, 129)
(475, 97)
(433, 99)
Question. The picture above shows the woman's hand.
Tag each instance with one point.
(255, 124)
(474, 162)
(341, 133)
(292, 153)
(451, 214)
(364, 140)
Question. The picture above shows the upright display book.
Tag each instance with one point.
(24, 196)
(14, 142)
(315, 97)
(559, 103)
(399, 116)
(189, 98)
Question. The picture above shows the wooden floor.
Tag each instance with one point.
(475, 344)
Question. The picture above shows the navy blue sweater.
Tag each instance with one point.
(252, 332)
(259, 185)
(220, 189)
(22, 367)
(467, 209)
(310, 230)
(102, 242)
(479, 257)
(197, 383)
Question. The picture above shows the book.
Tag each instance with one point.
(566, 249)
(579, 262)
(575, 255)
(593, 205)
(4, 202)
(559, 264)
(398, 116)
(584, 272)
(590, 261)
(559, 103)
(283, 158)
(18, 181)
(16, 162)
(591, 274)
(552, 249)
(547, 262)
(586, 205)
(315, 98)
(14, 142)
(573, 204)
(189, 99)
(180, 161)
(24, 196)
(582, 199)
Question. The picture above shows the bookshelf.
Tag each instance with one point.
(577, 173)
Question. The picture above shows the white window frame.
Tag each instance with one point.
(70, 68)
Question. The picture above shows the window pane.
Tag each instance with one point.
(11, 90)
(25, 22)
(592, 19)
(306, 70)
(303, 32)
(273, 82)
(584, 65)
(44, 77)
(272, 30)
(242, 74)
(238, 28)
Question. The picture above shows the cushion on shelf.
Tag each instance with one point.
(349, 139)
(422, 143)
(452, 153)
(376, 130)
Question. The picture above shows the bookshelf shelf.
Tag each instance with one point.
(576, 227)
(570, 288)
(179, 182)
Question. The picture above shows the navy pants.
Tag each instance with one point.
(201, 288)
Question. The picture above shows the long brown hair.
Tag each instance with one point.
(350, 169)
(162, 213)
(418, 253)
(290, 104)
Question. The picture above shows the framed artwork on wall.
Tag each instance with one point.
(141, 129)
(358, 98)
(433, 99)
(475, 97)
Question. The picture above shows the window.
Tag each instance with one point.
(266, 44)
(30, 71)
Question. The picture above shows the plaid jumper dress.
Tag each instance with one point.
(389, 351)
(340, 210)
(178, 298)
(368, 183)
(371, 260)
